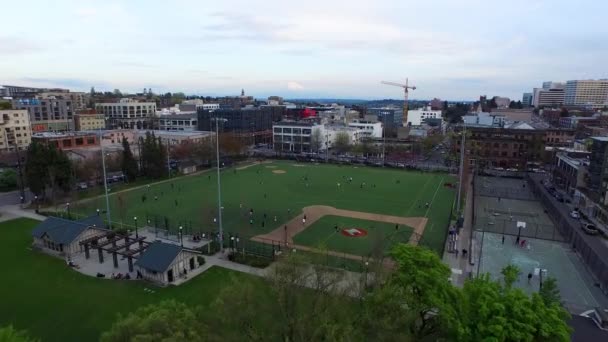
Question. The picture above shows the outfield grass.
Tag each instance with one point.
(379, 235)
(387, 191)
(54, 303)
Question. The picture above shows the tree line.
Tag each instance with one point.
(300, 301)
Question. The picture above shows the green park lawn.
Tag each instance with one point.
(54, 303)
(380, 235)
(191, 201)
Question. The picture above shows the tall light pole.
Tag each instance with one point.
(105, 178)
(219, 183)
(462, 147)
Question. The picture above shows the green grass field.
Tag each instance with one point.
(193, 200)
(54, 303)
(379, 235)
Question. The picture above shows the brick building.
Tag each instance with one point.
(67, 141)
(489, 147)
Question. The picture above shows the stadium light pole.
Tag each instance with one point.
(105, 178)
(462, 147)
(219, 183)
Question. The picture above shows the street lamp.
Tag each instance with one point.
(68, 208)
(97, 211)
(136, 234)
(181, 237)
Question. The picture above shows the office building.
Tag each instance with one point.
(389, 116)
(526, 99)
(178, 122)
(250, 125)
(15, 132)
(128, 113)
(571, 170)
(176, 137)
(587, 93)
(88, 119)
(436, 104)
(553, 85)
(553, 97)
(416, 117)
(275, 100)
(370, 130)
(79, 99)
(51, 114)
(293, 136)
(578, 122)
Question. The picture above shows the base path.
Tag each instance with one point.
(315, 212)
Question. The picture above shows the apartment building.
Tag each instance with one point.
(416, 117)
(15, 132)
(251, 124)
(49, 114)
(587, 93)
(88, 120)
(128, 113)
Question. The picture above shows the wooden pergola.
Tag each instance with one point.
(110, 245)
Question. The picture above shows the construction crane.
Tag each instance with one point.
(406, 87)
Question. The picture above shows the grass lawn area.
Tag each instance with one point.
(379, 235)
(54, 303)
(192, 201)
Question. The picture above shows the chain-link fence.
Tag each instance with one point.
(511, 188)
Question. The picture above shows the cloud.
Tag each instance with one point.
(61, 82)
(293, 85)
(16, 46)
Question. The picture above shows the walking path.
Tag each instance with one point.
(14, 211)
(460, 265)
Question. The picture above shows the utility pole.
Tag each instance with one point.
(219, 183)
(168, 159)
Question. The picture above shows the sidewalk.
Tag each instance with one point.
(460, 265)
(14, 211)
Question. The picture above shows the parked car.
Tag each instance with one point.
(590, 229)
(575, 214)
(559, 197)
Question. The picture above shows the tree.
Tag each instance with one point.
(129, 165)
(427, 296)
(320, 312)
(342, 142)
(511, 274)
(8, 179)
(153, 157)
(503, 313)
(204, 152)
(5, 105)
(230, 145)
(47, 167)
(316, 140)
(165, 321)
(549, 292)
(10, 334)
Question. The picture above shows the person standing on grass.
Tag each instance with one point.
(303, 221)
(275, 218)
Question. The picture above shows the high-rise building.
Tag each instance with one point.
(553, 85)
(587, 93)
(553, 97)
(15, 132)
(128, 113)
(526, 99)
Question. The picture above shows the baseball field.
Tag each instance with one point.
(348, 209)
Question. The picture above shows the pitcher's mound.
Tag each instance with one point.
(279, 171)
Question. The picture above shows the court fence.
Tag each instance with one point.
(502, 192)
(591, 249)
(509, 227)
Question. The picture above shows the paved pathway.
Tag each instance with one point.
(10, 212)
(460, 265)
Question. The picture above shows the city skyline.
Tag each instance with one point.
(455, 51)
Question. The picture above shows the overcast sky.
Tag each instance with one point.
(452, 49)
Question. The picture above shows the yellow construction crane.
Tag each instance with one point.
(406, 87)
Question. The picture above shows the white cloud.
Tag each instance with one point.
(293, 85)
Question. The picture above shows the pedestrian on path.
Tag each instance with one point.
(464, 253)
(529, 277)
(303, 220)
(456, 252)
(503, 239)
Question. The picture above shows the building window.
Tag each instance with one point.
(91, 141)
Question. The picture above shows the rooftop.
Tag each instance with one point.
(62, 135)
(65, 231)
(158, 256)
(604, 139)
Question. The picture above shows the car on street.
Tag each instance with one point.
(590, 229)
(575, 214)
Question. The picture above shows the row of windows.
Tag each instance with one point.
(294, 130)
